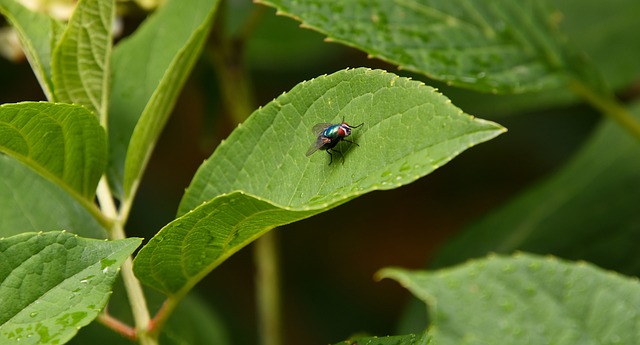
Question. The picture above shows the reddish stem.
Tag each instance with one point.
(118, 326)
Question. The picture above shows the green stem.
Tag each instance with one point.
(132, 285)
(268, 288)
(608, 106)
(226, 56)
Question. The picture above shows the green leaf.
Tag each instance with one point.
(80, 61)
(409, 130)
(190, 247)
(55, 283)
(492, 46)
(587, 208)
(37, 36)
(157, 111)
(62, 142)
(525, 299)
(612, 48)
(149, 68)
(29, 202)
(409, 339)
(606, 32)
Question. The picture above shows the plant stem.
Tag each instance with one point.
(132, 285)
(117, 325)
(608, 106)
(268, 289)
(226, 55)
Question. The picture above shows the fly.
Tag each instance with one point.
(329, 135)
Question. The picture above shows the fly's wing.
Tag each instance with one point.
(320, 141)
(319, 128)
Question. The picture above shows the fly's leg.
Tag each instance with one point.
(337, 151)
(350, 142)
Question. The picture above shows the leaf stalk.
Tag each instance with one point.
(609, 106)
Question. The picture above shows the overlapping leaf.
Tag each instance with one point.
(409, 130)
(55, 283)
(80, 60)
(62, 142)
(149, 68)
(497, 46)
(525, 300)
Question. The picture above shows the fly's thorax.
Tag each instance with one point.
(344, 130)
(333, 132)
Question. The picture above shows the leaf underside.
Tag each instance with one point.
(492, 46)
(80, 60)
(525, 299)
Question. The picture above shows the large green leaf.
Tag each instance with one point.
(80, 60)
(62, 142)
(29, 202)
(149, 68)
(492, 46)
(605, 31)
(582, 212)
(55, 283)
(525, 300)
(409, 130)
(37, 33)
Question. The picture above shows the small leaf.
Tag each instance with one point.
(161, 51)
(409, 130)
(525, 299)
(35, 32)
(62, 142)
(493, 46)
(80, 61)
(567, 215)
(29, 202)
(55, 283)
